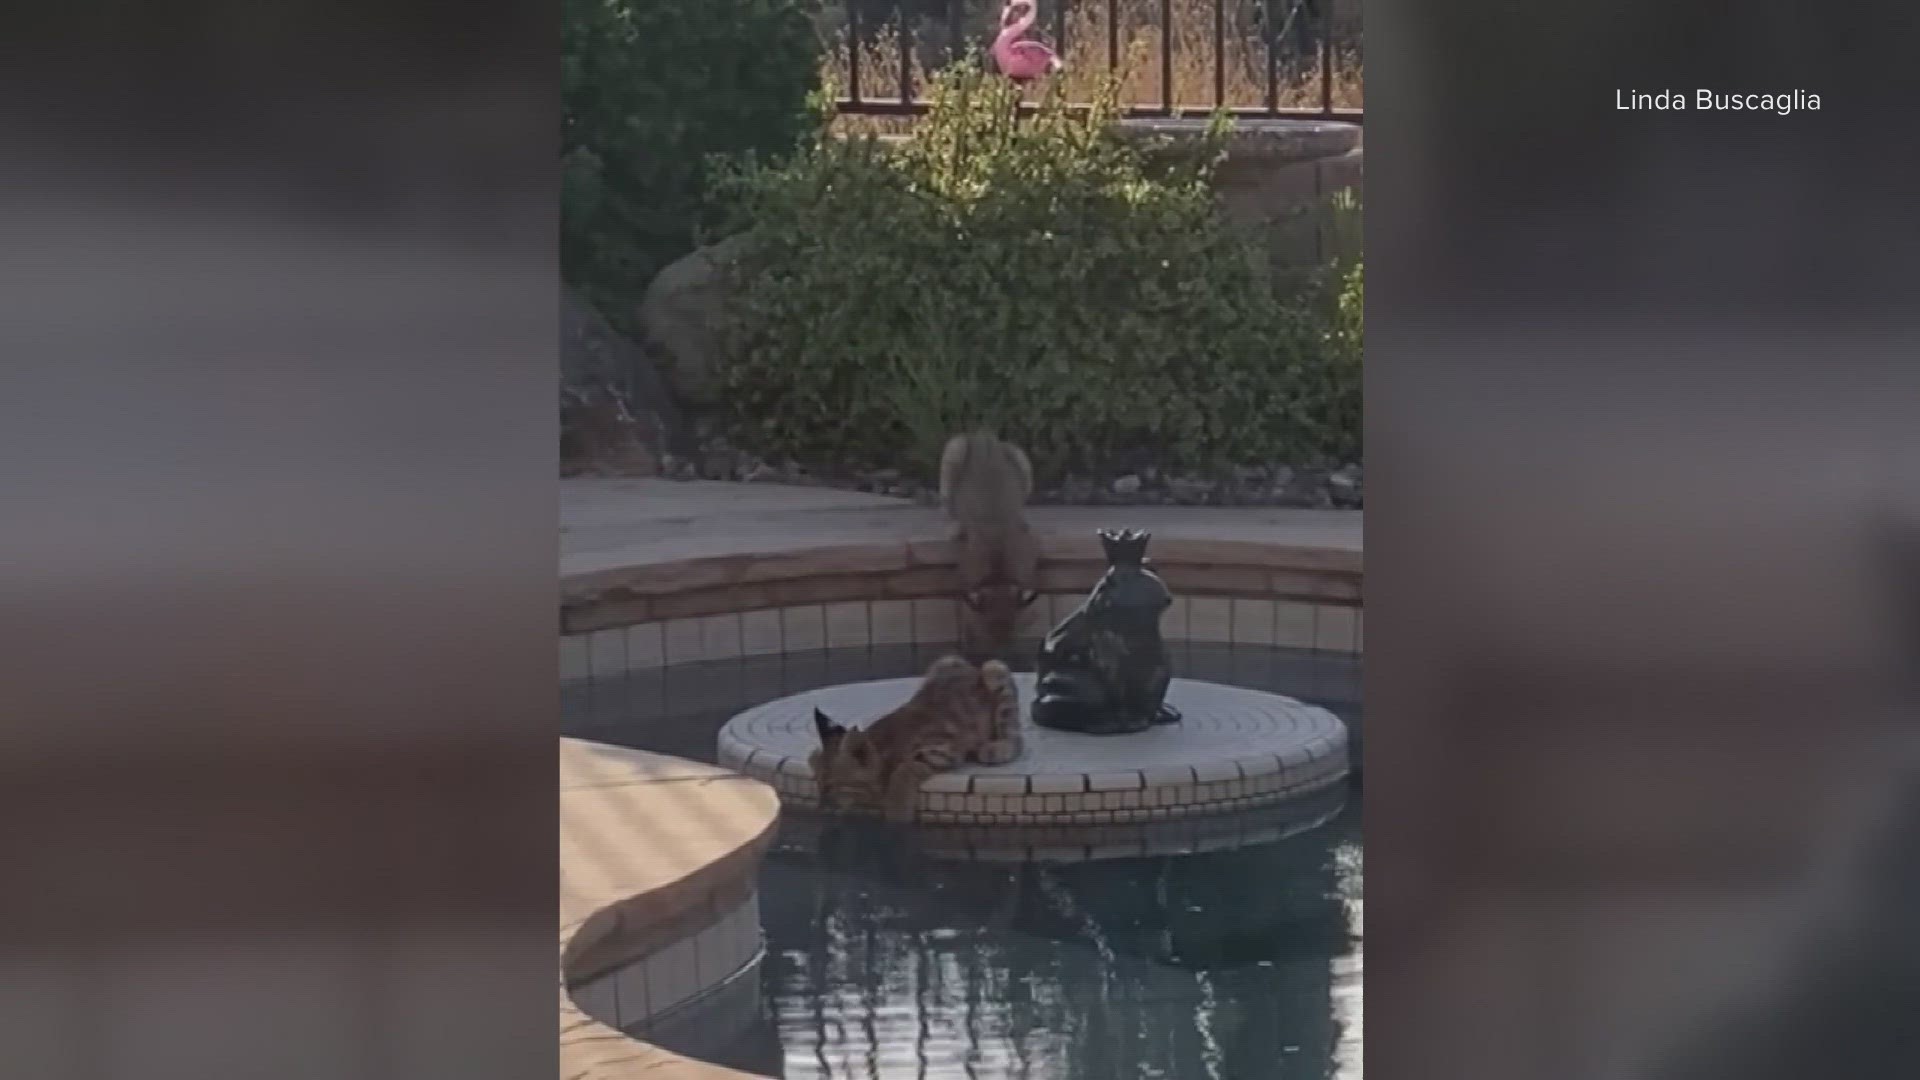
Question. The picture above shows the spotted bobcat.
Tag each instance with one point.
(984, 485)
(960, 713)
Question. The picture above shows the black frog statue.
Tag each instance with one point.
(1103, 670)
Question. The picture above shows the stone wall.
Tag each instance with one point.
(1278, 175)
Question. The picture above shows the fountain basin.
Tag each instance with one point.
(1235, 749)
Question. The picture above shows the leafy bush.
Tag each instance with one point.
(1336, 396)
(1046, 278)
(652, 90)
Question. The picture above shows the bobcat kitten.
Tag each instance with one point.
(984, 485)
(960, 713)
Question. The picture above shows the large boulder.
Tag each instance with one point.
(684, 315)
(617, 414)
(594, 355)
(600, 436)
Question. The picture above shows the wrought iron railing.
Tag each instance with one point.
(1296, 49)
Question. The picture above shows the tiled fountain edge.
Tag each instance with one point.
(912, 570)
(615, 650)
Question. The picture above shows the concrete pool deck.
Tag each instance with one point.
(607, 524)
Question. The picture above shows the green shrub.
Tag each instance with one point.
(652, 90)
(1335, 391)
(1067, 287)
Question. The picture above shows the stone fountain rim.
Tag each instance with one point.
(1237, 748)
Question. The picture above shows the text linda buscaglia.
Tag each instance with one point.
(1781, 102)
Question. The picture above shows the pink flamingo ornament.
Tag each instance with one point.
(1021, 61)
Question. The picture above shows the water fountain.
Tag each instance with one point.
(1115, 739)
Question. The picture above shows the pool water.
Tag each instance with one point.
(883, 961)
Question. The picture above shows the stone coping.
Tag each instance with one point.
(1235, 749)
(910, 569)
(647, 550)
(644, 838)
(1279, 140)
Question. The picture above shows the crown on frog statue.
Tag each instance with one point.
(1126, 547)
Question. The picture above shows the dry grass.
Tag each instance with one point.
(1086, 58)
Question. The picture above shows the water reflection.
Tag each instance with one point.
(1235, 964)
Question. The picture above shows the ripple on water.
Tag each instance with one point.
(1227, 964)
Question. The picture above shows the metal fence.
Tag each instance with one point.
(883, 42)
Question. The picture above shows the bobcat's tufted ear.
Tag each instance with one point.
(829, 731)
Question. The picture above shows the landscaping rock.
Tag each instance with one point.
(684, 314)
(1126, 485)
(600, 437)
(596, 359)
(1188, 491)
(1076, 490)
(718, 464)
(679, 467)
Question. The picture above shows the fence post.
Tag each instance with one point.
(1270, 35)
(853, 53)
(1326, 56)
(1113, 36)
(906, 54)
(1219, 53)
(1166, 55)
